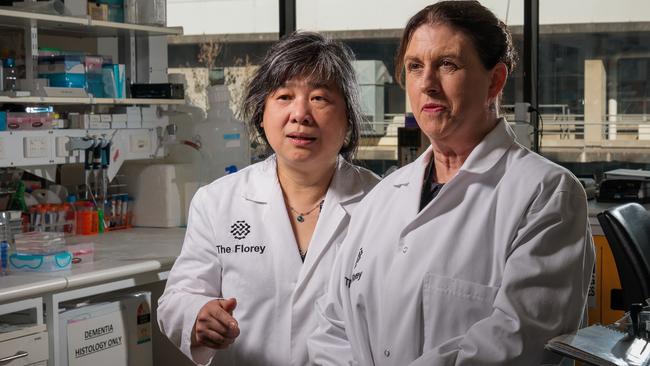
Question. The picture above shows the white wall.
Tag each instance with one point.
(224, 16)
(261, 16)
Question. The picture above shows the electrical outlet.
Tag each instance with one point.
(61, 150)
(140, 144)
(37, 146)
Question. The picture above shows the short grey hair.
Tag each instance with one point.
(314, 57)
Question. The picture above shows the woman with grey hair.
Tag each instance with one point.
(260, 243)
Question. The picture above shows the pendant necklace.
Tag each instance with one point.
(301, 215)
(303, 254)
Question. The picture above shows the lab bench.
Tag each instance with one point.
(123, 259)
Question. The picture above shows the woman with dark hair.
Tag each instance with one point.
(479, 251)
(260, 243)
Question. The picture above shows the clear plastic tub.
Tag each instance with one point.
(36, 242)
(53, 262)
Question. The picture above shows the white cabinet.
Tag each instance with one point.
(27, 346)
(23, 336)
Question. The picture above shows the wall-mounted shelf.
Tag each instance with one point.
(123, 43)
(89, 101)
(80, 27)
(25, 148)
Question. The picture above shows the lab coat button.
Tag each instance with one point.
(405, 249)
(386, 353)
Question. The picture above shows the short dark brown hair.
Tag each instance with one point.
(490, 36)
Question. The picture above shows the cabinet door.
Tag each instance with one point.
(34, 345)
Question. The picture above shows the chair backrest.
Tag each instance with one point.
(627, 228)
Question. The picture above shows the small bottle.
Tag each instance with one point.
(9, 74)
(128, 217)
(5, 235)
(4, 255)
(70, 215)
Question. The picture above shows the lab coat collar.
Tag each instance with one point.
(342, 190)
(484, 156)
(491, 149)
(259, 187)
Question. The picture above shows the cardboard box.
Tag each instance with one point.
(133, 117)
(87, 121)
(100, 125)
(116, 332)
(119, 121)
(98, 11)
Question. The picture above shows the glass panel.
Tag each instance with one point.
(594, 90)
(373, 39)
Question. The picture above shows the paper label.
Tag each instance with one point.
(97, 341)
(232, 139)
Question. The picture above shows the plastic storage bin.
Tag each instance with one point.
(95, 84)
(69, 63)
(36, 242)
(65, 80)
(60, 261)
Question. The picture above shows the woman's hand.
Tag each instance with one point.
(215, 327)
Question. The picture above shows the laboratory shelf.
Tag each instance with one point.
(78, 26)
(89, 100)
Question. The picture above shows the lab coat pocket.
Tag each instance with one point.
(450, 306)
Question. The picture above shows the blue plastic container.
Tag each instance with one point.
(3, 121)
(96, 89)
(115, 14)
(111, 2)
(65, 80)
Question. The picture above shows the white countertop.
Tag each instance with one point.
(124, 253)
(118, 254)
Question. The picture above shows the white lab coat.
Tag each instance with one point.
(239, 243)
(499, 262)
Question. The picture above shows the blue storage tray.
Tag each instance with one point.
(64, 80)
(96, 89)
(116, 14)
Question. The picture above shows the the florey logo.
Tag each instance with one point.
(240, 229)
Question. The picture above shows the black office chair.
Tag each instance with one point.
(627, 228)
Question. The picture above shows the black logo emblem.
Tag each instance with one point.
(358, 258)
(240, 229)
